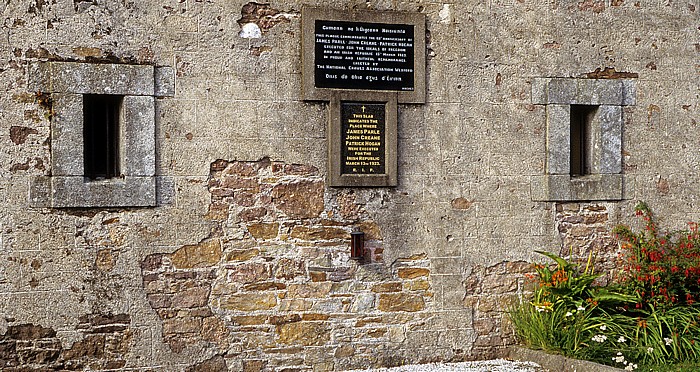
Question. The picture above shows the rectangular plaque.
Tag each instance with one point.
(355, 55)
(363, 138)
(363, 51)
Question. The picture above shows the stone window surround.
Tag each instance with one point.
(67, 187)
(606, 181)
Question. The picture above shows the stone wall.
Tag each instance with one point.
(244, 263)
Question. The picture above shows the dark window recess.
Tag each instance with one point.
(101, 135)
(581, 139)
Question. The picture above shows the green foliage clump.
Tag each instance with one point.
(649, 319)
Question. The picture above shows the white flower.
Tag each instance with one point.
(603, 327)
(539, 309)
(650, 350)
(619, 358)
(568, 313)
(599, 338)
(668, 341)
(580, 308)
(621, 339)
(631, 367)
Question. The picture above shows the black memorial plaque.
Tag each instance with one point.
(363, 138)
(359, 55)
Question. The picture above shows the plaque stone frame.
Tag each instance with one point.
(310, 15)
(336, 177)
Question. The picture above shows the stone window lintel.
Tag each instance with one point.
(87, 78)
(571, 91)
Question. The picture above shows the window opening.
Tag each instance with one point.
(101, 135)
(581, 135)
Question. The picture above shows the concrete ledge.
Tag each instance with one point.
(556, 187)
(77, 192)
(555, 362)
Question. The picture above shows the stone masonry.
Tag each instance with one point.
(273, 285)
(231, 252)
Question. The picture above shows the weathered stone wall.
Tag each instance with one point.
(244, 264)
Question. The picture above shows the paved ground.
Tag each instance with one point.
(496, 365)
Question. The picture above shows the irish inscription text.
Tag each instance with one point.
(355, 55)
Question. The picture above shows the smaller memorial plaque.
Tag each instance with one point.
(363, 138)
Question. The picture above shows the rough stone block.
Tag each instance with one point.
(67, 135)
(599, 92)
(310, 290)
(263, 230)
(139, 148)
(248, 320)
(115, 192)
(303, 199)
(363, 303)
(182, 325)
(250, 272)
(304, 333)
(387, 287)
(164, 85)
(567, 91)
(629, 88)
(611, 139)
(538, 91)
(40, 192)
(558, 139)
(242, 254)
(192, 297)
(567, 188)
(165, 190)
(413, 272)
(87, 78)
(319, 233)
(562, 91)
(288, 268)
(400, 302)
(249, 301)
(204, 254)
(39, 77)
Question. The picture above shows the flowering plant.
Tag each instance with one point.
(662, 270)
(650, 319)
(565, 285)
(567, 311)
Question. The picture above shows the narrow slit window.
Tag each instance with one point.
(581, 161)
(101, 135)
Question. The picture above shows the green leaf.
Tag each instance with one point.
(560, 261)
